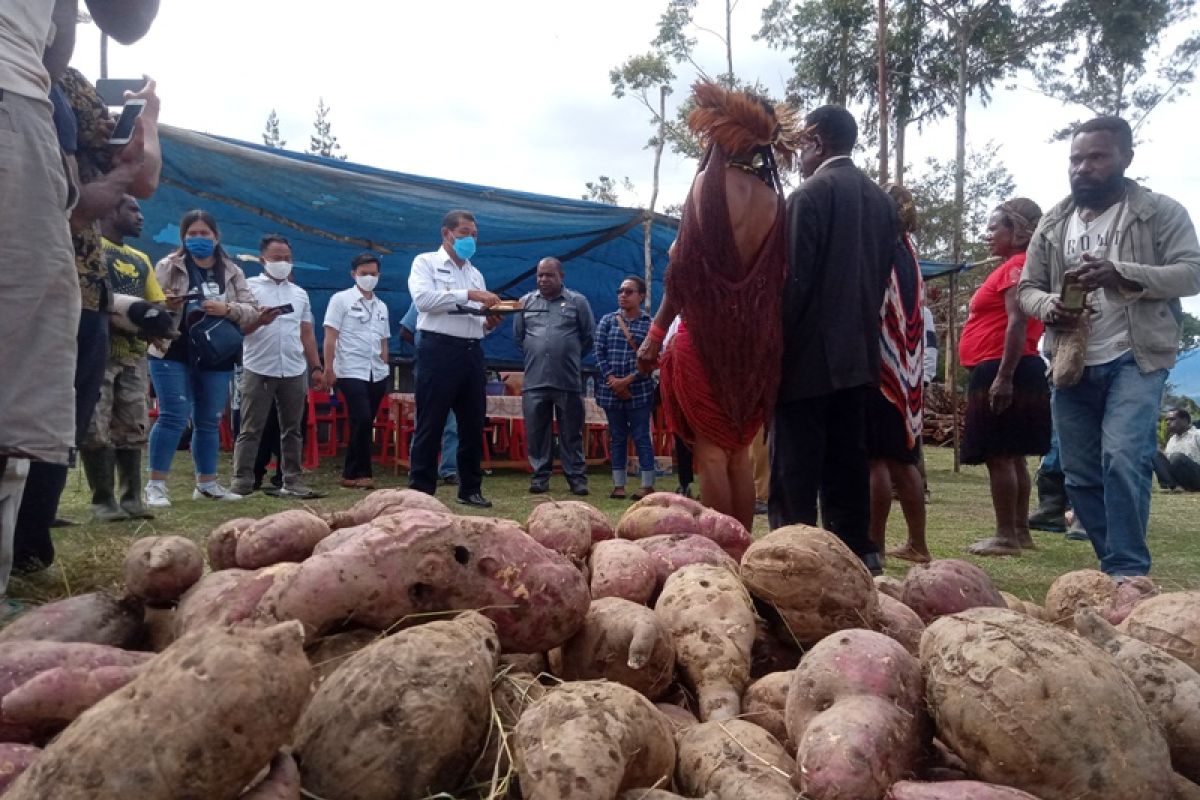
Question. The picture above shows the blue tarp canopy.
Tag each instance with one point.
(936, 269)
(332, 210)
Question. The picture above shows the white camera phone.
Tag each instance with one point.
(123, 132)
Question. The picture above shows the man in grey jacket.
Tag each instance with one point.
(1135, 254)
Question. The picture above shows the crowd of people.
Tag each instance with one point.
(790, 351)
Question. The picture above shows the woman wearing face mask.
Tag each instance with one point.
(356, 352)
(197, 279)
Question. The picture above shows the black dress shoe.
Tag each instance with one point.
(476, 500)
(580, 490)
(450, 480)
(539, 488)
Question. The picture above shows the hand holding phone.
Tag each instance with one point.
(283, 309)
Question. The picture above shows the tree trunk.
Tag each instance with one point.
(956, 247)
(648, 225)
(901, 130)
(883, 93)
(729, 40)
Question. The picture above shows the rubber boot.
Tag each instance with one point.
(129, 472)
(1052, 503)
(98, 467)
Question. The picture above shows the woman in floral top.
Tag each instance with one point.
(626, 395)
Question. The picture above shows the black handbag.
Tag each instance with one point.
(214, 343)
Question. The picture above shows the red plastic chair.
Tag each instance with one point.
(225, 429)
(385, 432)
(322, 411)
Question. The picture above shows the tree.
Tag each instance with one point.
(988, 184)
(323, 142)
(605, 190)
(1190, 338)
(271, 132)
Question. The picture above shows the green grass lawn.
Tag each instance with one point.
(90, 554)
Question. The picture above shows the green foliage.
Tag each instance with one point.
(1190, 339)
(832, 44)
(270, 135)
(323, 142)
(606, 190)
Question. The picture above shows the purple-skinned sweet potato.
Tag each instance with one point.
(678, 716)
(621, 641)
(947, 586)
(15, 759)
(1130, 592)
(95, 618)
(764, 702)
(564, 527)
(227, 596)
(159, 569)
(400, 522)
(646, 521)
(954, 790)
(725, 531)
(663, 513)
(900, 622)
(55, 697)
(621, 568)
(673, 552)
(281, 783)
(669, 500)
(381, 579)
(384, 501)
(286, 536)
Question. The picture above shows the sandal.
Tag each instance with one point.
(638, 495)
(618, 493)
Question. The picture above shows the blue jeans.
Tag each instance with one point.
(449, 462)
(1052, 461)
(186, 393)
(621, 423)
(1107, 427)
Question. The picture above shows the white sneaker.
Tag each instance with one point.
(155, 496)
(214, 491)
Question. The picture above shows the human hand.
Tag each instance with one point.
(147, 93)
(1062, 317)
(492, 321)
(174, 302)
(215, 308)
(483, 297)
(1000, 395)
(1097, 273)
(316, 380)
(330, 377)
(133, 153)
(268, 315)
(647, 355)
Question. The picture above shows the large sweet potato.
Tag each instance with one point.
(1170, 688)
(725, 531)
(227, 596)
(209, 713)
(671, 552)
(159, 569)
(286, 536)
(1027, 704)
(678, 717)
(565, 527)
(327, 653)
(1170, 621)
(404, 717)
(764, 701)
(735, 760)
(711, 618)
(384, 501)
(281, 783)
(1083, 588)
(222, 542)
(1130, 592)
(643, 522)
(96, 618)
(55, 697)
(624, 642)
(815, 582)
(947, 586)
(15, 759)
(900, 622)
(379, 579)
(663, 513)
(621, 568)
(591, 739)
(954, 790)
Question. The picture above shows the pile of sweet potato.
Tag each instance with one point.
(396, 650)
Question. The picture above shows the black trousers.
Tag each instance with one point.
(540, 407)
(819, 453)
(362, 404)
(32, 546)
(451, 378)
(1176, 470)
(683, 462)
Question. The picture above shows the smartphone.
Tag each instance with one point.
(124, 130)
(112, 90)
(284, 309)
(1072, 294)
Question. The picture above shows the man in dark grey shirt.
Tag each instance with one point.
(554, 343)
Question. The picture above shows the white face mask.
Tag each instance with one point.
(366, 282)
(279, 270)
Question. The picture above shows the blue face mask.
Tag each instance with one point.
(464, 248)
(199, 246)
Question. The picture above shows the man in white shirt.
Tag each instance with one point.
(1178, 468)
(279, 355)
(356, 354)
(452, 376)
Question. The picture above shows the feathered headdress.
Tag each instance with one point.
(741, 122)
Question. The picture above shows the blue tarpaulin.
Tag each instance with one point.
(332, 210)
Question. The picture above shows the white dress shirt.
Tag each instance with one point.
(438, 286)
(275, 350)
(362, 325)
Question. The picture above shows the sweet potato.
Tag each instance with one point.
(669, 500)
(22, 661)
(671, 552)
(222, 542)
(95, 618)
(1024, 606)
(1083, 588)
(1183, 789)
(663, 513)
(775, 649)
(15, 759)
(725, 531)
(404, 717)
(587, 515)
(814, 581)
(1170, 688)
(646, 521)
(855, 713)
(1130, 592)
(209, 712)
(227, 596)
(329, 652)
(1169, 621)
(159, 624)
(711, 619)
(1070, 355)
(529, 663)
(624, 642)
(900, 622)
(651, 794)
(764, 701)
(378, 579)
(1026, 704)
(591, 739)
(947, 586)
(286, 536)
(954, 790)
(892, 587)
(381, 502)
(565, 527)
(281, 783)
(622, 569)
(159, 569)
(735, 760)
(55, 697)
(678, 716)
(512, 693)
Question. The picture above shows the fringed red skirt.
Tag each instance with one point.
(688, 402)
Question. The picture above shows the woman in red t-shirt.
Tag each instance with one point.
(1008, 397)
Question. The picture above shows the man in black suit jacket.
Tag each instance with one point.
(841, 233)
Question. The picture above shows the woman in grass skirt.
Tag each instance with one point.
(1008, 397)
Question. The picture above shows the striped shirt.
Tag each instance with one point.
(615, 357)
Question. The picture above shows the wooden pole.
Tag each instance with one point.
(952, 363)
(103, 55)
(883, 94)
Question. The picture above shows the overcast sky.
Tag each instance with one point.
(517, 95)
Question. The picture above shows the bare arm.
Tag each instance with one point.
(331, 337)
(407, 336)
(1014, 342)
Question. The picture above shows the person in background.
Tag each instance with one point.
(1135, 253)
(931, 368)
(1178, 464)
(448, 463)
(894, 413)
(356, 360)
(554, 340)
(1008, 398)
(684, 461)
(625, 394)
(279, 359)
(120, 424)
